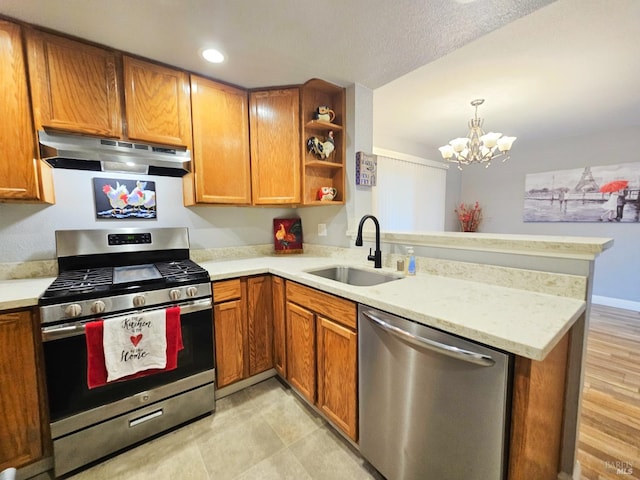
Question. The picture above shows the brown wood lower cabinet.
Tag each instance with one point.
(243, 328)
(301, 350)
(23, 424)
(230, 330)
(321, 351)
(260, 323)
(279, 326)
(337, 374)
(537, 415)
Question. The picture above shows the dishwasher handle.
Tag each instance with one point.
(418, 341)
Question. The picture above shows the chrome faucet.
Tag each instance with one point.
(376, 258)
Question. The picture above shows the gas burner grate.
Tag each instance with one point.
(181, 270)
(81, 281)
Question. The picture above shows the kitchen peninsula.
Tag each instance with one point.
(529, 296)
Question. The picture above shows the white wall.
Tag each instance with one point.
(27, 231)
(500, 191)
(453, 182)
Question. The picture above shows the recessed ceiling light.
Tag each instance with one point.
(212, 55)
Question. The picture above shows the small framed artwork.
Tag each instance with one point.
(366, 169)
(120, 199)
(287, 235)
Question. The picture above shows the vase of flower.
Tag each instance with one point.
(469, 216)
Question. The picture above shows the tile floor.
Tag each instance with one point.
(262, 432)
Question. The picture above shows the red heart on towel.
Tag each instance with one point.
(136, 340)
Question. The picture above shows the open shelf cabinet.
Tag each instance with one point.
(319, 172)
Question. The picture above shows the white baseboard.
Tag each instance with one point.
(616, 302)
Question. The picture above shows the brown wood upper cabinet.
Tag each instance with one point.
(24, 424)
(157, 103)
(221, 168)
(74, 86)
(274, 120)
(23, 178)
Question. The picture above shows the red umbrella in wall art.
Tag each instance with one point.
(614, 186)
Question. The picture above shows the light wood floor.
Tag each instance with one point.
(609, 445)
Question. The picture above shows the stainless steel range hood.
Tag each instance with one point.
(108, 155)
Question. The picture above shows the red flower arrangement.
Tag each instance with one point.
(469, 216)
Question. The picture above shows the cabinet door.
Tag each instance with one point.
(22, 177)
(301, 350)
(21, 437)
(279, 327)
(337, 374)
(231, 341)
(74, 86)
(220, 143)
(275, 146)
(260, 319)
(157, 103)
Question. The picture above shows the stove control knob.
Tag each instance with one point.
(192, 291)
(98, 306)
(139, 301)
(175, 294)
(73, 310)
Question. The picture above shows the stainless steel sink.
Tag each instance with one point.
(355, 276)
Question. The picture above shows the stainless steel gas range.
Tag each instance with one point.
(120, 274)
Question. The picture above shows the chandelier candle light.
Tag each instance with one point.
(478, 147)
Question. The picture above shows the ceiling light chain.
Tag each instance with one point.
(477, 147)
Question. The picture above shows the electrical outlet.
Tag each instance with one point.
(322, 229)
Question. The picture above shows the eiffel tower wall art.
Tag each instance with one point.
(606, 193)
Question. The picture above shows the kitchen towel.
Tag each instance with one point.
(129, 341)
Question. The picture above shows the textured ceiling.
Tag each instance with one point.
(545, 68)
(277, 42)
(568, 69)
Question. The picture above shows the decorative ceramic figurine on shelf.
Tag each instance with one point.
(322, 149)
(327, 193)
(324, 114)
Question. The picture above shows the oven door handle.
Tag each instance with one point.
(75, 329)
(196, 306)
(63, 331)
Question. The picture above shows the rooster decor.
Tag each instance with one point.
(127, 199)
(287, 234)
(118, 197)
(322, 149)
(139, 197)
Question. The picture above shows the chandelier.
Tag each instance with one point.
(478, 147)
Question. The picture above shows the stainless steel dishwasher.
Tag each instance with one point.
(433, 406)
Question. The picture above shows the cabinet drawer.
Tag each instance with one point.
(227, 290)
(336, 308)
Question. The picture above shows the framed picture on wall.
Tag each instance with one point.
(366, 169)
(120, 199)
(287, 235)
(607, 193)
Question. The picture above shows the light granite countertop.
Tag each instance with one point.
(22, 293)
(525, 323)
